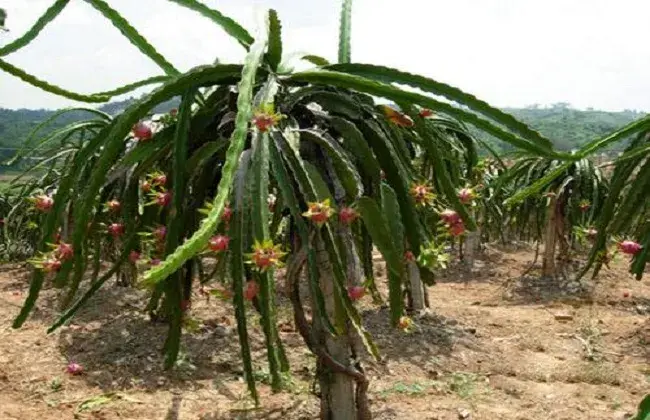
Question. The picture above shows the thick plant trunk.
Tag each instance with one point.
(564, 247)
(343, 385)
(471, 245)
(340, 397)
(548, 262)
(418, 301)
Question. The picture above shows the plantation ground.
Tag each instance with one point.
(496, 347)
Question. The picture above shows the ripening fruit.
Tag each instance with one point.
(348, 215)
(134, 256)
(263, 122)
(159, 233)
(466, 195)
(449, 216)
(356, 292)
(142, 131)
(160, 180)
(457, 229)
(51, 265)
(64, 251)
(319, 212)
(218, 243)
(116, 229)
(113, 206)
(405, 323)
(629, 247)
(74, 369)
(227, 214)
(265, 118)
(408, 256)
(43, 203)
(163, 198)
(262, 260)
(396, 117)
(422, 194)
(425, 112)
(146, 186)
(251, 290)
(265, 255)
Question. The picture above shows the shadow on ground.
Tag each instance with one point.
(120, 348)
(433, 336)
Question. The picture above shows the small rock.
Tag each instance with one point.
(477, 303)
(563, 316)
(471, 330)
(222, 331)
(464, 414)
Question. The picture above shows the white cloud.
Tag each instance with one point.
(509, 52)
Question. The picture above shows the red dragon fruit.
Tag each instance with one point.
(449, 216)
(63, 251)
(629, 247)
(134, 256)
(251, 290)
(356, 292)
(466, 195)
(43, 203)
(163, 198)
(219, 243)
(116, 229)
(142, 131)
(74, 369)
(348, 215)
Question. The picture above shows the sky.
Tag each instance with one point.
(589, 53)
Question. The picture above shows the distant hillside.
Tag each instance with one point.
(570, 128)
(16, 125)
(567, 127)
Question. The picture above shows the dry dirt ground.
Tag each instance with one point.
(495, 346)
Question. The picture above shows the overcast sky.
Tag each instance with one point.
(590, 53)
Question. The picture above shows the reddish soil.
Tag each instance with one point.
(493, 347)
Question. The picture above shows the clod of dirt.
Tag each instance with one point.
(464, 414)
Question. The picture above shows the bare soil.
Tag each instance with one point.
(495, 346)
